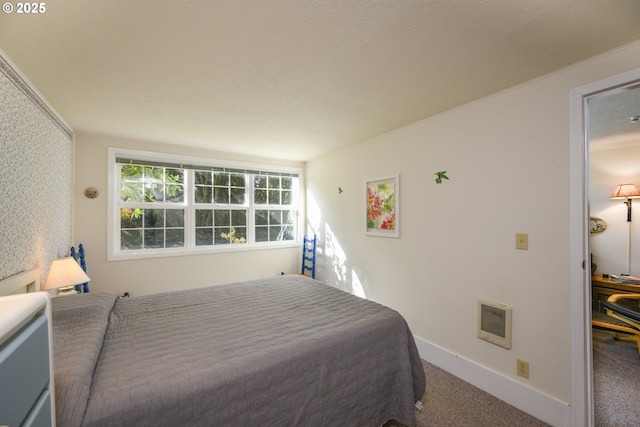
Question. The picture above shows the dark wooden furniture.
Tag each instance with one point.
(601, 289)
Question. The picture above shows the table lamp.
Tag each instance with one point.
(64, 274)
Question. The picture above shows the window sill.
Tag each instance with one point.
(168, 253)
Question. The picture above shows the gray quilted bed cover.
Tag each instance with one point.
(284, 351)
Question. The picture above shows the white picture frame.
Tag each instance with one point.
(382, 206)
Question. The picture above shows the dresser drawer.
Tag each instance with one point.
(24, 371)
(41, 415)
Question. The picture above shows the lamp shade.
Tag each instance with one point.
(625, 191)
(64, 272)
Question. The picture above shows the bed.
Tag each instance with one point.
(285, 351)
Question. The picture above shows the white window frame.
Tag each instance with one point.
(114, 253)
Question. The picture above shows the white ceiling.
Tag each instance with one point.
(293, 78)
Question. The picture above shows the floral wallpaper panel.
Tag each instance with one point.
(36, 177)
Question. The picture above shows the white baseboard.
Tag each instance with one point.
(533, 402)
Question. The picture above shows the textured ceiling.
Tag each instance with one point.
(610, 125)
(293, 79)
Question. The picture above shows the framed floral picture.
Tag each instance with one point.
(383, 202)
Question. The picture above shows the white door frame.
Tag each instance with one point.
(580, 272)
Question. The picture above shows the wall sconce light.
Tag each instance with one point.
(626, 192)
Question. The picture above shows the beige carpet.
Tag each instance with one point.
(452, 402)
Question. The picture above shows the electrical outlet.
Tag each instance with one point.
(522, 368)
(522, 241)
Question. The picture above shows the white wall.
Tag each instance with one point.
(508, 160)
(149, 276)
(608, 168)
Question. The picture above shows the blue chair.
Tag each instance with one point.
(309, 255)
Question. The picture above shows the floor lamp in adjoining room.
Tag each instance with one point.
(627, 192)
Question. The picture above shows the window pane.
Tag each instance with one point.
(260, 197)
(274, 225)
(175, 217)
(130, 240)
(286, 183)
(130, 218)
(149, 228)
(203, 194)
(222, 235)
(132, 192)
(221, 218)
(154, 192)
(262, 217)
(286, 198)
(203, 178)
(260, 181)
(241, 233)
(274, 233)
(237, 180)
(274, 182)
(154, 238)
(287, 217)
(287, 233)
(204, 218)
(275, 217)
(274, 197)
(153, 218)
(151, 184)
(175, 238)
(221, 195)
(175, 176)
(153, 174)
(238, 218)
(204, 236)
(237, 196)
(175, 193)
(262, 234)
(234, 235)
(130, 173)
(221, 178)
(229, 188)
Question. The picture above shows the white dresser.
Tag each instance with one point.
(26, 365)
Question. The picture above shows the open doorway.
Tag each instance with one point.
(613, 140)
(580, 251)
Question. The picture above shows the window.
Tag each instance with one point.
(272, 197)
(221, 207)
(151, 207)
(161, 206)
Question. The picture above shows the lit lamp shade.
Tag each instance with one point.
(625, 191)
(64, 273)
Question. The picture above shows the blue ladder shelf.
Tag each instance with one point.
(309, 255)
(79, 256)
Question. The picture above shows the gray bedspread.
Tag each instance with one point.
(285, 351)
